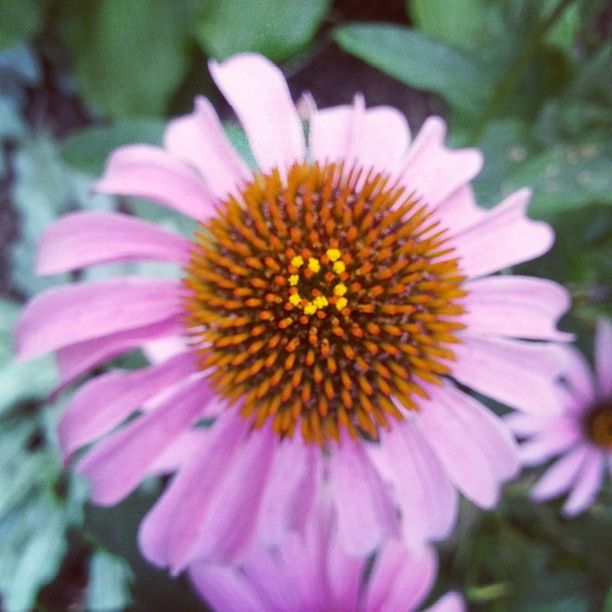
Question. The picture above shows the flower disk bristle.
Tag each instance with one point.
(323, 300)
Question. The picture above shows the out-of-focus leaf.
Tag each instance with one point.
(19, 20)
(566, 178)
(11, 125)
(457, 22)
(89, 149)
(563, 34)
(276, 28)
(419, 61)
(109, 580)
(130, 56)
(44, 188)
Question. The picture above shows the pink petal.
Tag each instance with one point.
(426, 499)
(117, 465)
(86, 238)
(181, 450)
(520, 374)
(547, 444)
(199, 140)
(365, 513)
(225, 588)
(560, 476)
(400, 581)
(459, 210)
(587, 485)
(603, 357)
(434, 172)
(289, 491)
(504, 237)
(374, 138)
(472, 445)
(76, 359)
(344, 576)
(73, 313)
(231, 519)
(104, 402)
(579, 378)
(451, 602)
(147, 172)
(259, 95)
(524, 425)
(518, 306)
(169, 530)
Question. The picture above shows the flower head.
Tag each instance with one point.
(311, 571)
(326, 307)
(580, 438)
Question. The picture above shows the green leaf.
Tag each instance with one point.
(419, 61)
(109, 582)
(130, 56)
(89, 149)
(275, 28)
(20, 20)
(457, 22)
(566, 178)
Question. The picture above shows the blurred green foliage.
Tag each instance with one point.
(527, 82)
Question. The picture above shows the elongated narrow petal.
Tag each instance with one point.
(199, 140)
(76, 359)
(259, 95)
(477, 469)
(131, 451)
(366, 515)
(107, 400)
(516, 306)
(66, 315)
(375, 138)
(400, 581)
(86, 238)
(588, 485)
(560, 476)
(520, 374)
(147, 172)
(502, 238)
(432, 171)
(603, 357)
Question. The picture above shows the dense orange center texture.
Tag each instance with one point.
(321, 299)
(598, 424)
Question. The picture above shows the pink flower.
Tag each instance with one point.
(580, 437)
(327, 309)
(312, 572)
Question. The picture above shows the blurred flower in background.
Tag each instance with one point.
(581, 436)
(524, 82)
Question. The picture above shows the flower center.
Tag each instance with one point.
(598, 424)
(322, 301)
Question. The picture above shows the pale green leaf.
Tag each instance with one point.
(109, 583)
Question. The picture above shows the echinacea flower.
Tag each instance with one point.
(580, 437)
(310, 572)
(327, 307)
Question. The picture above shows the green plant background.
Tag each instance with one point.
(526, 81)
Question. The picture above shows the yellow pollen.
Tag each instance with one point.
(341, 303)
(339, 267)
(310, 308)
(333, 254)
(340, 289)
(321, 301)
(293, 279)
(313, 264)
(297, 261)
(295, 299)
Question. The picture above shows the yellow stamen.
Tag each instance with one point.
(333, 254)
(293, 280)
(313, 264)
(321, 301)
(339, 267)
(341, 303)
(295, 299)
(310, 308)
(297, 261)
(340, 289)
